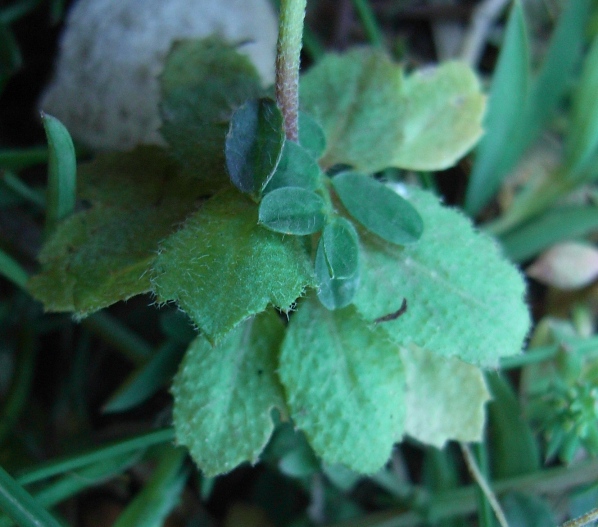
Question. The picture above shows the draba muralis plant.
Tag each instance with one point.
(358, 311)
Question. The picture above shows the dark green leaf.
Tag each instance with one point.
(202, 84)
(514, 448)
(334, 293)
(62, 172)
(378, 208)
(101, 255)
(506, 104)
(296, 169)
(345, 386)
(222, 267)
(311, 135)
(224, 395)
(341, 248)
(292, 210)
(11, 269)
(254, 145)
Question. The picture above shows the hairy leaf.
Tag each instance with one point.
(345, 386)
(378, 208)
(464, 298)
(102, 255)
(445, 398)
(224, 395)
(292, 210)
(254, 145)
(223, 267)
(203, 82)
(375, 118)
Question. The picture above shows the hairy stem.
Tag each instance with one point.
(290, 32)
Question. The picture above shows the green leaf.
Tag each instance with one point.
(345, 386)
(464, 299)
(297, 168)
(161, 493)
(525, 510)
(445, 398)
(311, 135)
(333, 292)
(341, 248)
(556, 225)
(514, 448)
(12, 270)
(21, 506)
(102, 255)
(374, 118)
(292, 210)
(384, 212)
(581, 142)
(203, 82)
(254, 145)
(224, 395)
(506, 104)
(62, 172)
(223, 267)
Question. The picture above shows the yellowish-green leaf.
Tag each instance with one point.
(345, 386)
(223, 267)
(374, 117)
(224, 395)
(102, 255)
(446, 398)
(464, 298)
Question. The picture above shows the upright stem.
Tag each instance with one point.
(290, 32)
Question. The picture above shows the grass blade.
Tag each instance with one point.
(20, 506)
(18, 159)
(505, 105)
(97, 455)
(18, 187)
(161, 494)
(147, 379)
(11, 269)
(554, 226)
(62, 172)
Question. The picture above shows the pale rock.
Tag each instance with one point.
(105, 88)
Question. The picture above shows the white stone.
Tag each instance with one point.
(105, 88)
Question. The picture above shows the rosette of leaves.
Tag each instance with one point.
(399, 301)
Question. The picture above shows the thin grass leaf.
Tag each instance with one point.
(97, 455)
(20, 506)
(146, 380)
(554, 226)
(370, 25)
(18, 187)
(62, 172)
(18, 159)
(160, 495)
(505, 105)
(11, 269)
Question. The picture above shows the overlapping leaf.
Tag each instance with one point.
(224, 395)
(345, 386)
(464, 299)
(203, 82)
(374, 117)
(223, 267)
(103, 254)
(445, 398)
